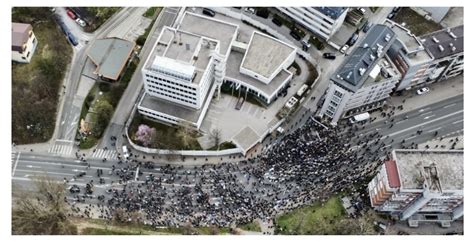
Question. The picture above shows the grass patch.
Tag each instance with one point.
(36, 86)
(150, 12)
(319, 219)
(142, 38)
(167, 137)
(88, 142)
(225, 145)
(100, 15)
(252, 226)
(416, 23)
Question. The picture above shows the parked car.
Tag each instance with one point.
(81, 22)
(72, 39)
(367, 26)
(208, 12)
(344, 49)
(396, 9)
(362, 10)
(295, 35)
(423, 90)
(329, 55)
(353, 39)
(71, 15)
(306, 45)
(391, 15)
(277, 22)
(250, 10)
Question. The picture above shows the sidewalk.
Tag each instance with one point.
(438, 92)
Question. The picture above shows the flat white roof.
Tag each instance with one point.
(164, 63)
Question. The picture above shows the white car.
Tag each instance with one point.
(250, 10)
(81, 22)
(362, 10)
(344, 49)
(423, 91)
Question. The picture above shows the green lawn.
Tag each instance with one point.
(316, 219)
(416, 23)
(36, 86)
(252, 226)
(150, 12)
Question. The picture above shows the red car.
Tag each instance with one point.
(71, 15)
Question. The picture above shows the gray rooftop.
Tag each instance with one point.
(209, 27)
(246, 138)
(233, 72)
(332, 12)
(20, 35)
(353, 72)
(451, 41)
(449, 166)
(387, 71)
(265, 54)
(110, 56)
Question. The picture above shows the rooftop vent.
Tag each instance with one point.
(451, 44)
(453, 49)
(349, 75)
(372, 57)
(452, 35)
(366, 45)
(339, 76)
(435, 40)
(441, 48)
(362, 71)
(387, 37)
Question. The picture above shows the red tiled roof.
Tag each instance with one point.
(392, 174)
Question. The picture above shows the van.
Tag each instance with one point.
(208, 12)
(126, 154)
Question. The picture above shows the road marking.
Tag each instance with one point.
(456, 122)
(32, 166)
(422, 124)
(16, 164)
(428, 117)
(453, 104)
(59, 163)
(398, 122)
(426, 113)
(414, 136)
(64, 140)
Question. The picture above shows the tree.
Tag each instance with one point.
(216, 136)
(104, 112)
(42, 213)
(185, 132)
(145, 134)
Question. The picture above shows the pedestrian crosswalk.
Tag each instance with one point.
(102, 153)
(61, 149)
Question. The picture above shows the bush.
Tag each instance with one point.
(316, 42)
(263, 12)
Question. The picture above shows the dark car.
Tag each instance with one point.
(353, 39)
(277, 22)
(391, 15)
(208, 12)
(367, 26)
(329, 55)
(72, 39)
(295, 35)
(81, 174)
(74, 189)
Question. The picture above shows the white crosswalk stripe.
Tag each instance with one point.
(101, 153)
(60, 149)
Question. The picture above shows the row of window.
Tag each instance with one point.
(172, 96)
(169, 91)
(170, 82)
(158, 115)
(173, 75)
(171, 87)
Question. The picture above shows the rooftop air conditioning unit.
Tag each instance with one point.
(453, 49)
(362, 71)
(435, 40)
(453, 35)
(441, 48)
(387, 37)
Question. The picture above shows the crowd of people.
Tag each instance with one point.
(307, 165)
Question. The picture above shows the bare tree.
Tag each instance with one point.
(185, 132)
(216, 136)
(42, 213)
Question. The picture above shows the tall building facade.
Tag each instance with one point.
(420, 186)
(322, 21)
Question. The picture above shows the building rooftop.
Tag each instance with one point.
(110, 56)
(332, 12)
(20, 35)
(440, 169)
(211, 28)
(265, 54)
(383, 69)
(445, 42)
(353, 72)
(246, 138)
(233, 72)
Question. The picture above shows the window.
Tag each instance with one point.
(338, 94)
(34, 40)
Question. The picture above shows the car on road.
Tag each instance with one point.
(423, 90)
(329, 55)
(343, 50)
(391, 15)
(71, 15)
(81, 22)
(353, 39)
(367, 26)
(362, 10)
(250, 10)
(81, 174)
(74, 189)
(72, 39)
(208, 12)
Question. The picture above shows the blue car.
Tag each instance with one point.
(72, 39)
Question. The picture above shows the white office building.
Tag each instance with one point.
(420, 186)
(364, 80)
(322, 21)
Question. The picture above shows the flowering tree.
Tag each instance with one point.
(145, 134)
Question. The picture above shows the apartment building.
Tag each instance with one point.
(364, 80)
(420, 186)
(322, 21)
(24, 42)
